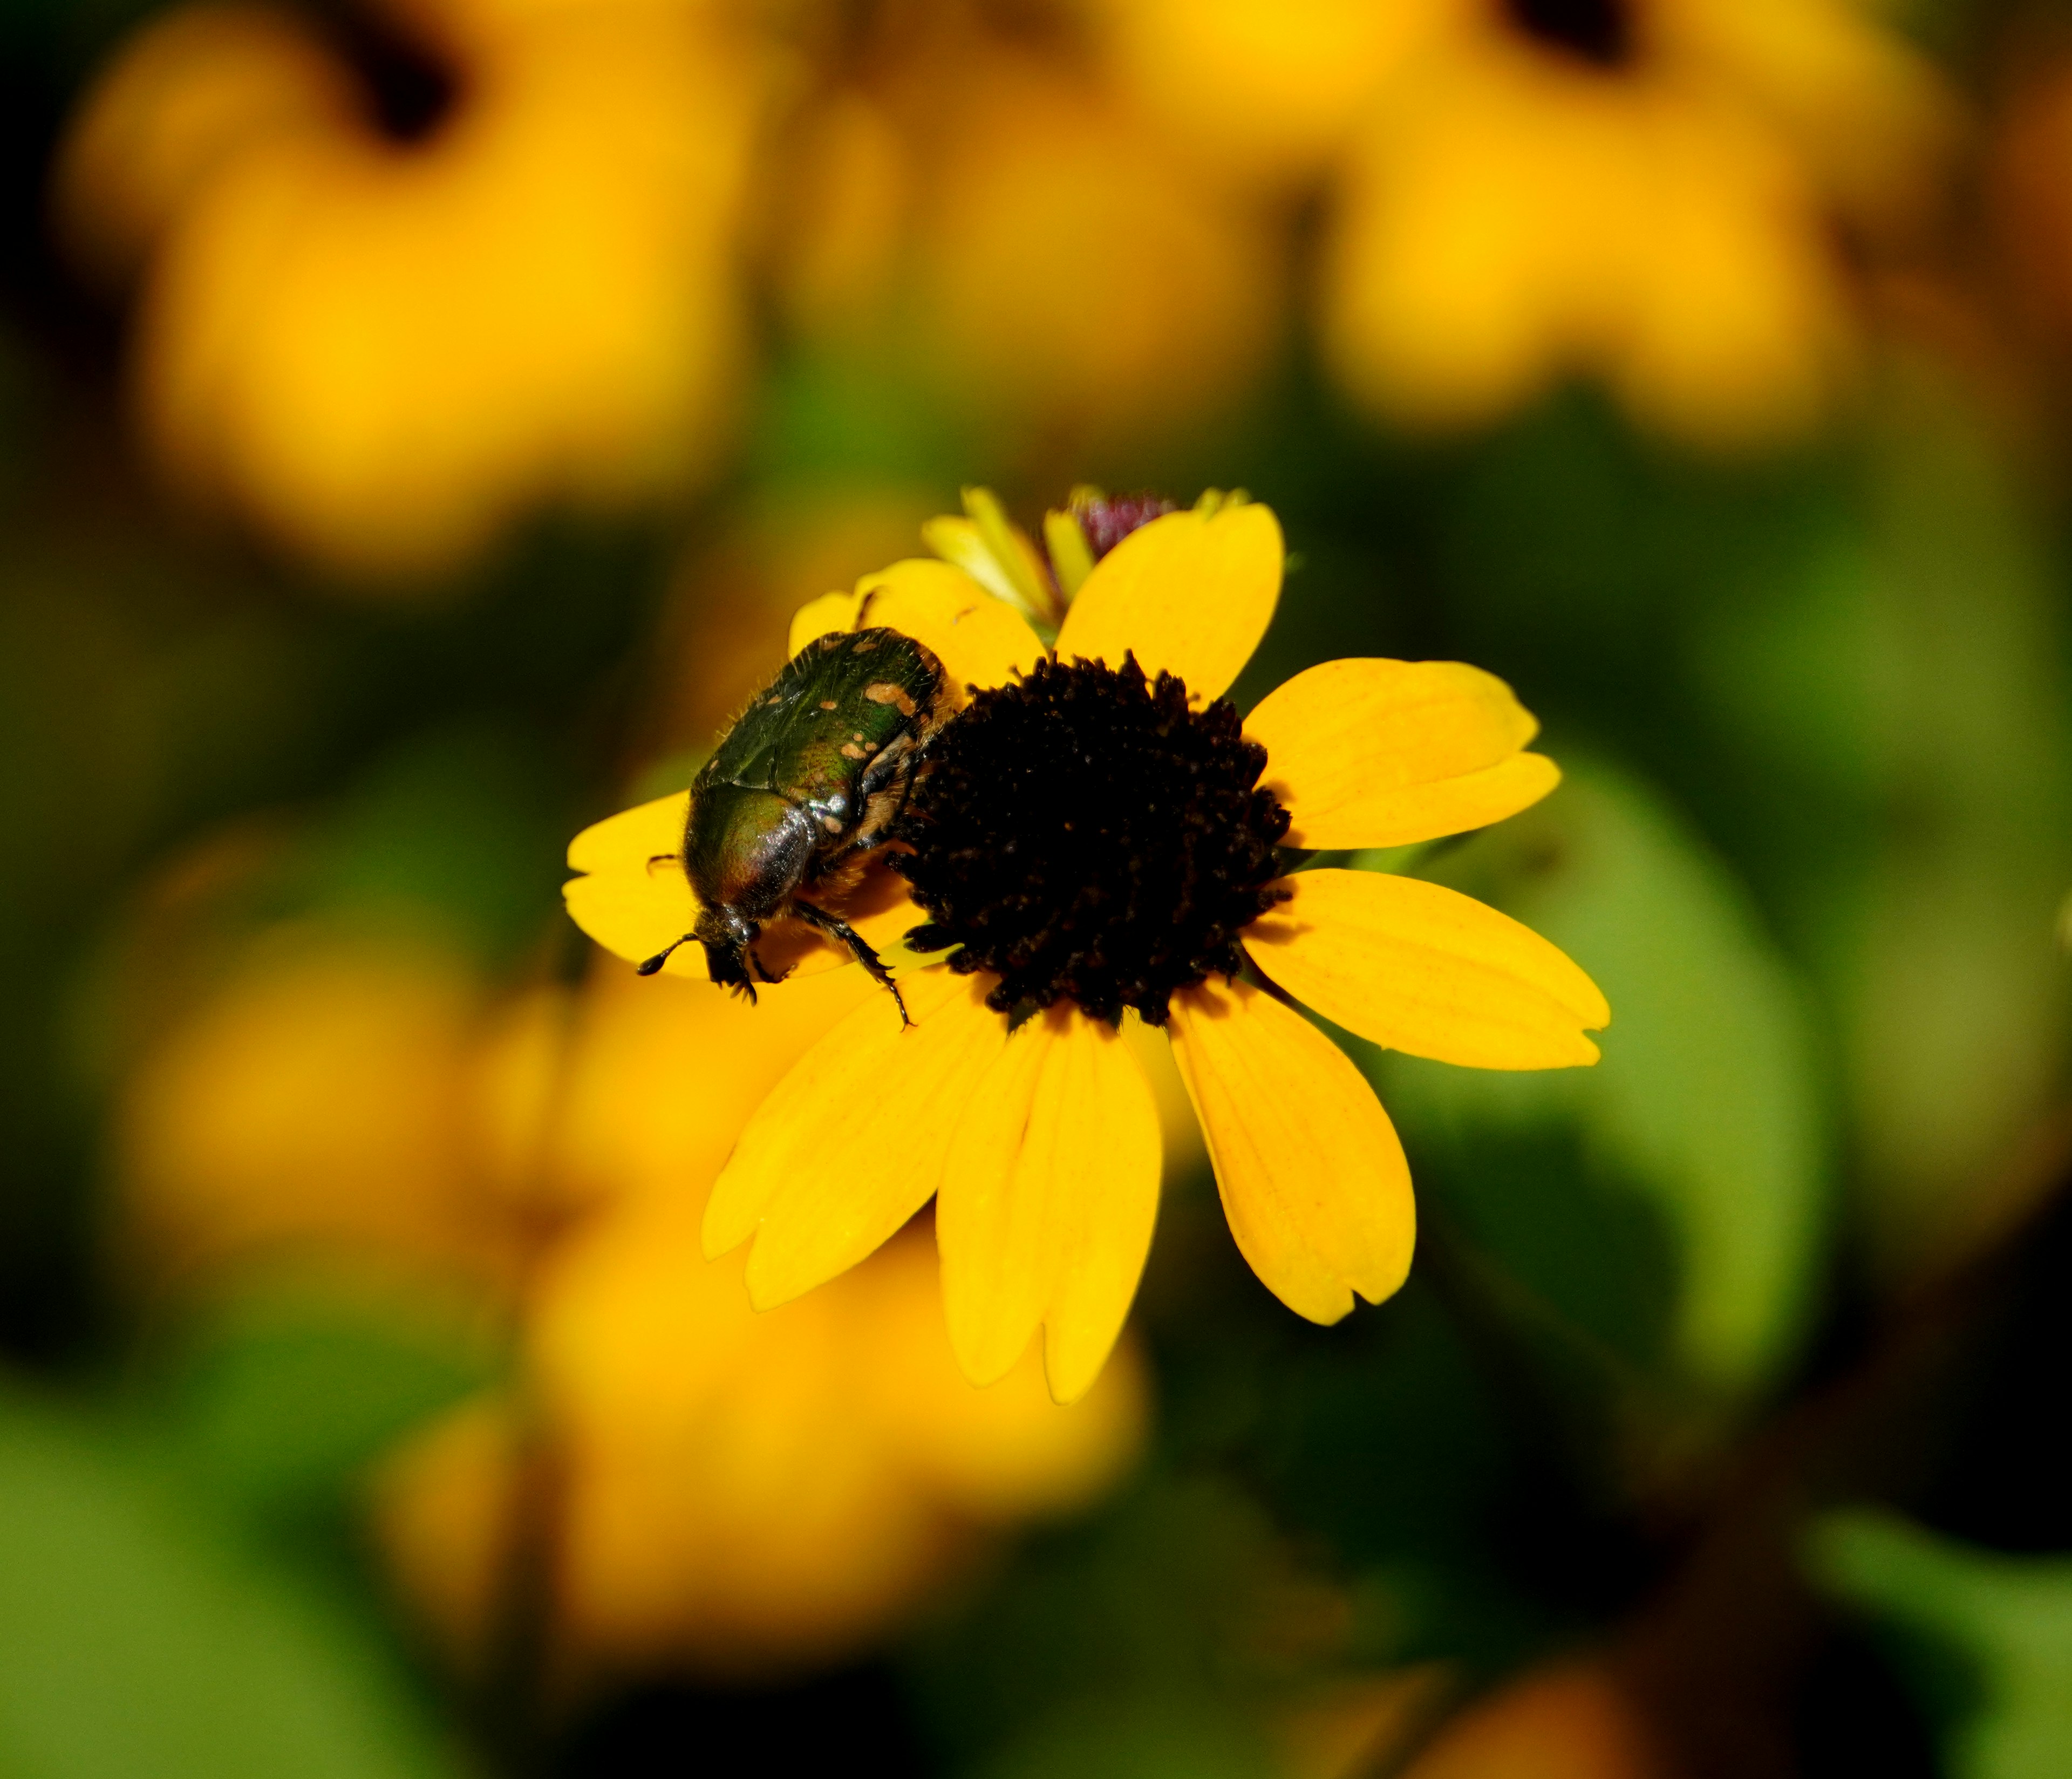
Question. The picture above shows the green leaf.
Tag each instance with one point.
(1896, 705)
(2009, 1619)
(282, 1394)
(134, 1645)
(1705, 1104)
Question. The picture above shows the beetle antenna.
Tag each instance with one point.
(660, 957)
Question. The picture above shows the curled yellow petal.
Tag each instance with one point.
(995, 553)
(632, 898)
(1071, 556)
(1313, 1178)
(1048, 1197)
(1376, 753)
(1420, 967)
(1191, 592)
(850, 1144)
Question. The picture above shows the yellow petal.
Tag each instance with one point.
(825, 616)
(1422, 968)
(850, 1144)
(995, 553)
(1312, 1177)
(1190, 593)
(632, 898)
(1373, 753)
(980, 640)
(1072, 557)
(1047, 1201)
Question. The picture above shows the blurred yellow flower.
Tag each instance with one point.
(381, 345)
(323, 1100)
(1025, 249)
(1096, 844)
(734, 1490)
(738, 1492)
(1643, 189)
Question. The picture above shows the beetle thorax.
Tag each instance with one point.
(746, 851)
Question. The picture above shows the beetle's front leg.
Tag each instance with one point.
(874, 966)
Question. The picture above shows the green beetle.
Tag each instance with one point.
(807, 780)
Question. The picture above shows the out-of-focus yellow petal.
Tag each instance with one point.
(1420, 967)
(1264, 92)
(1568, 1718)
(198, 84)
(823, 617)
(1189, 593)
(996, 553)
(981, 641)
(1048, 1197)
(632, 898)
(1376, 753)
(1313, 1178)
(851, 1143)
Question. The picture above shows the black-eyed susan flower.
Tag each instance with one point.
(1098, 838)
(1647, 191)
(990, 221)
(377, 338)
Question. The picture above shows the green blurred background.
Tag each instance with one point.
(416, 423)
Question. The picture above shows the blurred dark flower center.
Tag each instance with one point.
(1084, 836)
(1107, 520)
(1599, 31)
(409, 91)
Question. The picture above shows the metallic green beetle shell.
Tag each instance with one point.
(811, 774)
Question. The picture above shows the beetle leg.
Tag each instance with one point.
(874, 965)
(878, 825)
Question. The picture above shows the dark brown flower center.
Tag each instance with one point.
(1084, 836)
(410, 91)
(1599, 31)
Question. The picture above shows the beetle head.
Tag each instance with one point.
(726, 937)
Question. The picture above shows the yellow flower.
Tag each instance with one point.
(381, 345)
(1021, 245)
(1643, 189)
(325, 1099)
(734, 1492)
(1098, 847)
